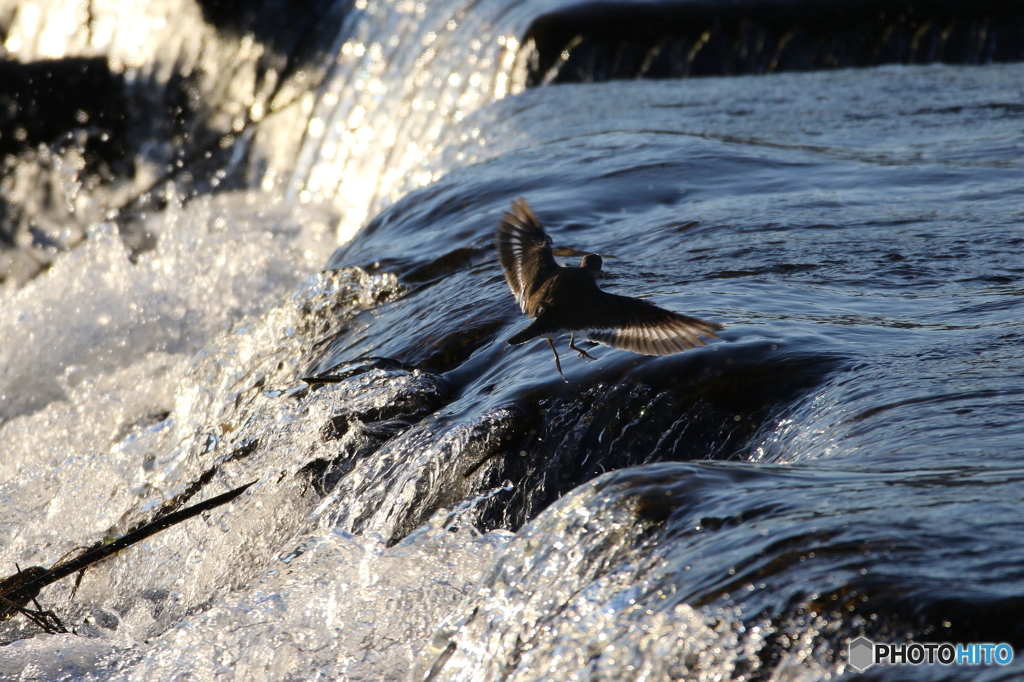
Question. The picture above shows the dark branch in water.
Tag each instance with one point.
(17, 590)
(47, 620)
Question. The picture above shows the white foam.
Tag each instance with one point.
(95, 312)
(340, 607)
(95, 349)
(346, 608)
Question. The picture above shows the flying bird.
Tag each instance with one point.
(568, 300)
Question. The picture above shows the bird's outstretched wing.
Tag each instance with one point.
(524, 249)
(642, 327)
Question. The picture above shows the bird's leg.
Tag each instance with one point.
(558, 365)
(581, 353)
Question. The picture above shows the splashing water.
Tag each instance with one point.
(433, 503)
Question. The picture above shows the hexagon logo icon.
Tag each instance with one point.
(861, 654)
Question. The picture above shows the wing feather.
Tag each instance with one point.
(642, 327)
(524, 250)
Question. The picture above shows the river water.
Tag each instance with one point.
(433, 503)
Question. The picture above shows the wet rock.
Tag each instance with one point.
(370, 420)
(690, 407)
(44, 100)
(443, 462)
(601, 41)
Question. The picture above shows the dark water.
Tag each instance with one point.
(844, 460)
(850, 447)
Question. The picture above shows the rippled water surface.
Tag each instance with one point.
(432, 502)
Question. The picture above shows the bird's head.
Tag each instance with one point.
(592, 263)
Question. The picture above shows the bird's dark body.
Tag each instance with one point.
(554, 303)
(568, 299)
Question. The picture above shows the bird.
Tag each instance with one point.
(568, 300)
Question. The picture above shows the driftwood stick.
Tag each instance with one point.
(24, 586)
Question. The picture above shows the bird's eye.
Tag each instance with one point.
(541, 310)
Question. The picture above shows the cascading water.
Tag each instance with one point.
(430, 501)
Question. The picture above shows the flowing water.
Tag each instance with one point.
(433, 503)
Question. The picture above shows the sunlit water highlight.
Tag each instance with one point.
(858, 231)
